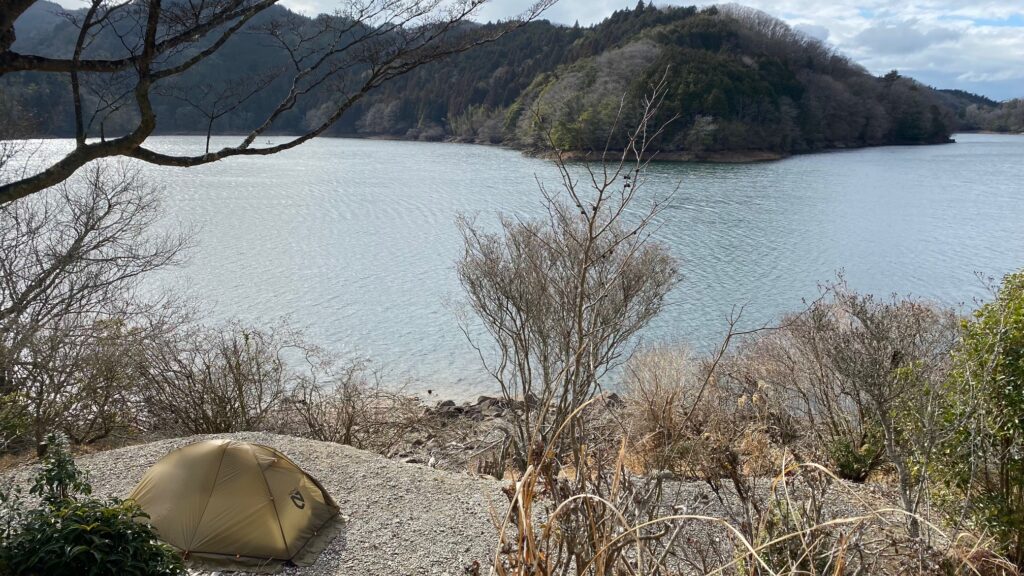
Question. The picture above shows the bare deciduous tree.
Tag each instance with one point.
(338, 58)
(70, 264)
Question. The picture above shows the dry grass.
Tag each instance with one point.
(691, 418)
(803, 520)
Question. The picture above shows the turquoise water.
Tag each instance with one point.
(355, 239)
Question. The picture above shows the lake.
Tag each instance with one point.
(354, 240)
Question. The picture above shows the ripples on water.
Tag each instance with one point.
(355, 239)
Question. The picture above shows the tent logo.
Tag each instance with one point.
(297, 499)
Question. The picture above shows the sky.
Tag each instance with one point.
(974, 45)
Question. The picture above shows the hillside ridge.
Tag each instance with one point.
(738, 83)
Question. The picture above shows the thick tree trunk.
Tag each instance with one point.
(9, 12)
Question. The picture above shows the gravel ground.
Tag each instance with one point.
(411, 519)
(403, 519)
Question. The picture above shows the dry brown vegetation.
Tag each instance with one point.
(712, 467)
(713, 472)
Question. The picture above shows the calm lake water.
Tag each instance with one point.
(355, 239)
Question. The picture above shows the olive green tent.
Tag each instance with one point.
(239, 506)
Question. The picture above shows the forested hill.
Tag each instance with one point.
(737, 80)
(976, 112)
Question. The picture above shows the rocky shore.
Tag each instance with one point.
(468, 436)
(459, 437)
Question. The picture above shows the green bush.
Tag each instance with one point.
(855, 463)
(71, 533)
(87, 537)
(986, 455)
(59, 479)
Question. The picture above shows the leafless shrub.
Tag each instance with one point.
(88, 388)
(234, 377)
(350, 405)
(866, 375)
(561, 298)
(893, 356)
(203, 380)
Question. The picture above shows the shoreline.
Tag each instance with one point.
(717, 157)
(991, 132)
(723, 157)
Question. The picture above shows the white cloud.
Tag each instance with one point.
(903, 37)
(814, 31)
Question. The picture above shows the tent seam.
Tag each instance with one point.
(210, 495)
(273, 501)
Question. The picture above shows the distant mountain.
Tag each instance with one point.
(979, 113)
(961, 99)
(36, 24)
(737, 80)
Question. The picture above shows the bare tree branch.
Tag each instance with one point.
(365, 44)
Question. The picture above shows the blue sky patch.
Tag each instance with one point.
(1014, 21)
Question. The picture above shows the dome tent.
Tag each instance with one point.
(234, 505)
